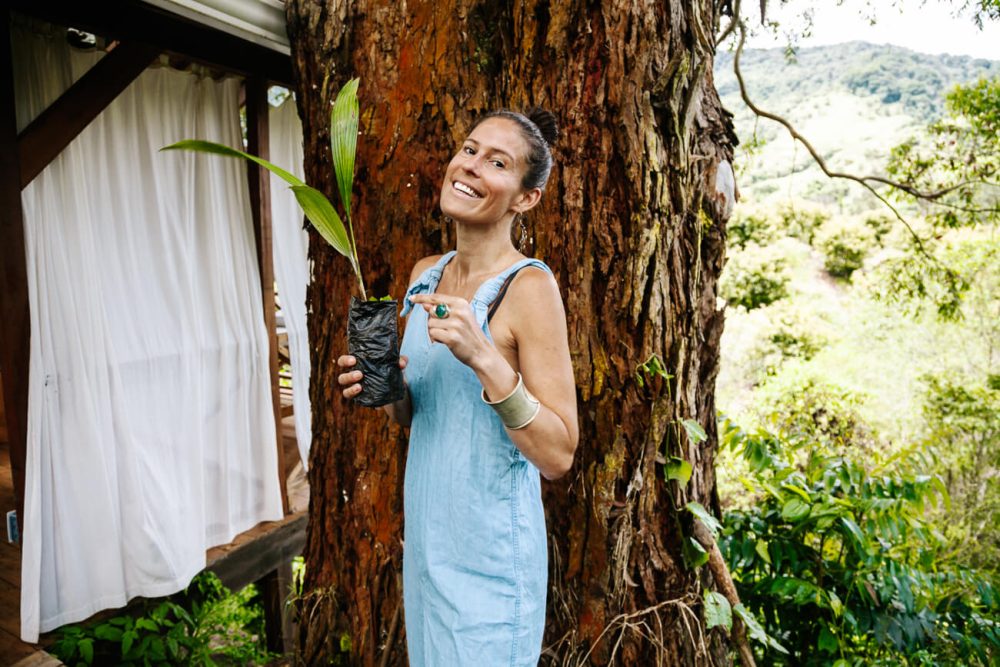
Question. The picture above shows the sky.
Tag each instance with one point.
(928, 27)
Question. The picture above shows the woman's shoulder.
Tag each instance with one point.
(535, 287)
(422, 265)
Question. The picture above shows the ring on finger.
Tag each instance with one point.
(442, 311)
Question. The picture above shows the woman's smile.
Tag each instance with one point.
(466, 189)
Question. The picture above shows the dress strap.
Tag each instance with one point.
(426, 282)
(492, 292)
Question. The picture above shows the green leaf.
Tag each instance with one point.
(860, 541)
(127, 640)
(694, 553)
(828, 641)
(801, 492)
(200, 146)
(695, 432)
(761, 549)
(324, 218)
(679, 469)
(86, 647)
(718, 611)
(344, 139)
(705, 517)
(794, 510)
(146, 624)
(755, 631)
(108, 632)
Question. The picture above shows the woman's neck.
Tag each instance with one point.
(482, 249)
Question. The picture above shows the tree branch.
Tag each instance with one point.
(863, 181)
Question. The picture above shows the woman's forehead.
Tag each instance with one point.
(500, 133)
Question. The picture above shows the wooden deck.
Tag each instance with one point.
(246, 559)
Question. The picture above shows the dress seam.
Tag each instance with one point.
(517, 566)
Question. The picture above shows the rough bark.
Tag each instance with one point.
(632, 224)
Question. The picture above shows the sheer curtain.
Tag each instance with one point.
(150, 430)
(291, 264)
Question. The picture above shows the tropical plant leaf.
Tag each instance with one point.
(679, 469)
(344, 140)
(706, 517)
(694, 553)
(755, 631)
(794, 510)
(324, 218)
(219, 149)
(718, 611)
(695, 432)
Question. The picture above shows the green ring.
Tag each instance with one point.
(442, 311)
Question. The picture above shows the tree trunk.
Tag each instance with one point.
(632, 223)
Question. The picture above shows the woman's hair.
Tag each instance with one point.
(540, 129)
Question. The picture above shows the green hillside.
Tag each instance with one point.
(853, 101)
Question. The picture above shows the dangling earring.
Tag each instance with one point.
(523, 237)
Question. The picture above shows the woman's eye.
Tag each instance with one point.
(468, 150)
(498, 164)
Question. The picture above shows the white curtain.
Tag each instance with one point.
(151, 435)
(291, 266)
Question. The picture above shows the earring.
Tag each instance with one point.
(523, 235)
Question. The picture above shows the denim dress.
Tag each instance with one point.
(474, 552)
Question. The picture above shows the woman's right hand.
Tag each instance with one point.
(350, 379)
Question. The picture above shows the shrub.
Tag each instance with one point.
(205, 625)
(845, 244)
(837, 560)
(754, 278)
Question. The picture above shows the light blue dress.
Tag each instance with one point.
(474, 554)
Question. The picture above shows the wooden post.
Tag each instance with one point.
(15, 323)
(260, 205)
(275, 588)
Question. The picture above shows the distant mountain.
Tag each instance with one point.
(853, 101)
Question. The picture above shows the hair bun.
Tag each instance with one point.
(546, 122)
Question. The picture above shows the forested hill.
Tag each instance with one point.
(853, 101)
(884, 74)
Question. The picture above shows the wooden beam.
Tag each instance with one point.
(258, 143)
(58, 125)
(133, 21)
(259, 551)
(15, 323)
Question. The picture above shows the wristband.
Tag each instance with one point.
(518, 409)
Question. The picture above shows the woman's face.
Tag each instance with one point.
(482, 183)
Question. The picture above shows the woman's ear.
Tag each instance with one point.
(527, 200)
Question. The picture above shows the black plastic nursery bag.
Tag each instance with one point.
(373, 340)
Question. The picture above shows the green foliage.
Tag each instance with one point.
(803, 408)
(963, 424)
(838, 560)
(765, 225)
(957, 156)
(204, 625)
(755, 278)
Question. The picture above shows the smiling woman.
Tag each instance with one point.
(491, 405)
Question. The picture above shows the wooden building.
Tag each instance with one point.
(251, 45)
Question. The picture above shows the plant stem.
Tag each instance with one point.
(354, 257)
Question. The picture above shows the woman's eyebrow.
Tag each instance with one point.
(470, 140)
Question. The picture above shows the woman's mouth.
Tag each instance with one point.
(466, 190)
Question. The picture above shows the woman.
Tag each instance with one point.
(491, 404)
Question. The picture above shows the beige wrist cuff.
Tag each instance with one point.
(517, 409)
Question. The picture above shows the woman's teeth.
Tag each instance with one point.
(465, 189)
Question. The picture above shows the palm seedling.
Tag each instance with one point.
(371, 332)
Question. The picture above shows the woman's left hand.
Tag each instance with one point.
(459, 330)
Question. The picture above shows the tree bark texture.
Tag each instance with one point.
(632, 223)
